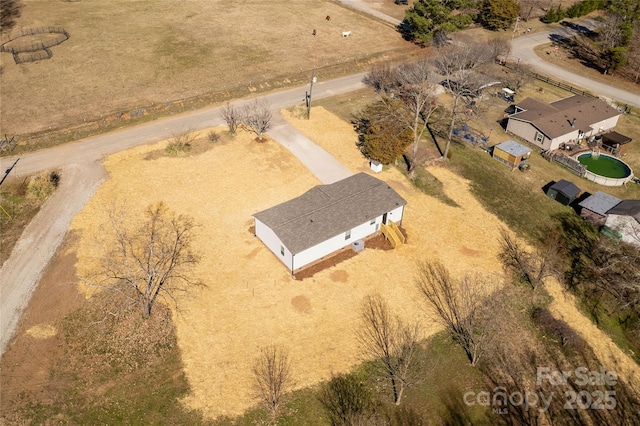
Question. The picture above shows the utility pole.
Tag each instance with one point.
(313, 80)
(6, 173)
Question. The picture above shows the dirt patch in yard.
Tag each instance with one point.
(36, 346)
(301, 304)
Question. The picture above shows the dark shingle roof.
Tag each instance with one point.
(567, 188)
(627, 208)
(600, 203)
(555, 119)
(615, 137)
(325, 211)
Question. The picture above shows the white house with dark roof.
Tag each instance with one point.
(566, 120)
(327, 218)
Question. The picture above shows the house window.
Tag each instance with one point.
(282, 250)
(373, 222)
(347, 234)
(539, 137)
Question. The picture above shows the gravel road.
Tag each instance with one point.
(40, 239)
(522, 47)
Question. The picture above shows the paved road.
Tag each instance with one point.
(522, 47)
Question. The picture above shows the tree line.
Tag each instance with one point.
(617, 39)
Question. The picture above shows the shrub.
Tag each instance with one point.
(213, 136)
(42, 185)
(348, 400)
(180, 143)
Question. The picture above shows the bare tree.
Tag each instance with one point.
(530, 267)
(414, 87)
(8, 144)
(516, 80)
(499, 49)
(272, 372)
(232, 116)
(527, 7)
(256, 117)
(382, 78)
(457, 64)
(610, 34)
(634, 53)
(152, 260)
(391, 343)
(457, 304)
(417, 92)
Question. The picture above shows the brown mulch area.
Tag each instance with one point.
(379, 242)
(25, 371)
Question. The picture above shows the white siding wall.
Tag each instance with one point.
(605, 124)
(396, 215)
(271, 240)
(333, 244)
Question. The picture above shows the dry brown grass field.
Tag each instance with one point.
(251, 299)
(126, 54)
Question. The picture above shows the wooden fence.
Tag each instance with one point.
(550, 81)
(34, 50)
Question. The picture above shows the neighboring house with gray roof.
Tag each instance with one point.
(625, 218)
(570, 119)
(327, 218)
(595, 207)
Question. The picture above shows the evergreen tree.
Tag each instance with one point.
(498, 14)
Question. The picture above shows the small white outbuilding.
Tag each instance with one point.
(376, 166)
(328, 218)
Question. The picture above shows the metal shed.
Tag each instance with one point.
(563, 192)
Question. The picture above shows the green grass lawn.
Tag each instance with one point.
(433, 397)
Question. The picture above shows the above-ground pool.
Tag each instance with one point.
(605, 169)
